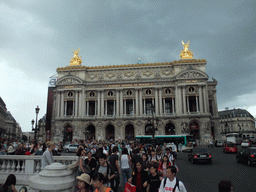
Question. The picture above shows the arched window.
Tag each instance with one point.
(92, 94)
(70, 94)
(129, 92)
(167, 91)
(110, 93)
(148, 92)
(191, 89)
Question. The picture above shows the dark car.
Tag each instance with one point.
(247, 156)
(230, 148)
(200, 155)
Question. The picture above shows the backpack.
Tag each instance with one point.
(108, 169)
(176, 184)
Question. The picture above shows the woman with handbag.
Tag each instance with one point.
(91, 163)
(81, 155)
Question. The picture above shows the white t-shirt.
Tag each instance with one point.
(125, 162)
(169, 186)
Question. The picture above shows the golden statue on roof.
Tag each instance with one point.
(76, 60)
(186, 54)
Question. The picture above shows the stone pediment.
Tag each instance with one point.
(192, 74)
(69, 80)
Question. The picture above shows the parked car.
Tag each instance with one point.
(219, 144)
(71, 148)
(199, 154)
(246, 143)
(230, 148)
(247, 156)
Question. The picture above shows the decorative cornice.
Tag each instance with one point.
(132, 65)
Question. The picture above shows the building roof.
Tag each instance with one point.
(132, 65)
(234, 113)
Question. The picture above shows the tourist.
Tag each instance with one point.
(145, 162)
(139, 178)
(81, 157)
(10, 150)
(28, 151)
(125, 165)
(84, 183)
(99, 181)
(163, 166)
(9, 185)
(154, 179)
(47, 157)
(113, 160)
(91, 162)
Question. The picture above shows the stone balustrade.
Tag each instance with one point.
(23, 167)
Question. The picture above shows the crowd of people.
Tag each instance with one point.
(102, 165)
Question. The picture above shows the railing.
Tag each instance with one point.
(23, 167)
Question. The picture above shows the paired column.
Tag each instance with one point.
(114, 112)
(201, 100)
(76, 108)
(205, 100)
(121, 103)
(141, 105)
(102, 103)
(87, 108)
(106, 107)
(144, 102)
(63, 108)
(196, 103)
(173, 105)
(58, 103)
(188, 104)
(125, 107)
(164, 105)
(156, 101)
(137, 102)
(184, 101)
(160, 102)
(117, 102)
(98, 111)
(83, 103)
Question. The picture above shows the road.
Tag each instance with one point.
(205, 177)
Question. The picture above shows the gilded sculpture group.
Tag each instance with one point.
(185, 54)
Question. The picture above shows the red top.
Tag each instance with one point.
(138, 181)
(27, 153)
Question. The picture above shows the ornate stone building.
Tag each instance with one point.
(116, 102)
(237, 121)
(3, 114)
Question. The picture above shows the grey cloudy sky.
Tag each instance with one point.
(38, 36)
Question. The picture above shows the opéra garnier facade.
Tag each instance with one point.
(116, 102)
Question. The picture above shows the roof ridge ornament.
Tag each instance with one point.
(76, 60)
(186, 54)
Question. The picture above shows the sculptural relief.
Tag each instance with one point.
(129, 74)
(147, 73)
(191, 75)
(167, 72)
(92, 76)
(69, 81)
(110, 75)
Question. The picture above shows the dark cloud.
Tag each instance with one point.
(38, 36)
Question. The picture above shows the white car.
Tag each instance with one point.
(71, 148)
(245, 143)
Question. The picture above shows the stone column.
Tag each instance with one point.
(144, 112)
(133, 105)
(188, 104)
(76, 108)
(114, 108)
(197, 103)
(141, 106)
(95, 107)
(205, 100)
(164, 105)
(87, 108)
(117, 103)
(121, 103)
(173, 105)
(156, 101)
(124, 106)
(62, 111)
(102, 103)
(80, 104)
(160, 102)
(201, 99)
(184, 100)
(83, 102)
(180, 100)
(58, 103)
(106, 107)
(98, 112)
(137, 102)
(65, 111)
(73, 112)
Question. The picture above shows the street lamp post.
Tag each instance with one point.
(36, 127)
(154, 124)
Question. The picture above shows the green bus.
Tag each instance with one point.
(161, 139)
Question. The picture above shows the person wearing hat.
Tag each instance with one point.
(84, 183)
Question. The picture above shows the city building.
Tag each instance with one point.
(237, 121)
(10, 127)
(3, 114)
(123, 101)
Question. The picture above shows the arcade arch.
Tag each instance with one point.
(129, 132)
(110, 132)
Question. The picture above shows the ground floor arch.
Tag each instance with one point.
(170, 129)
(110, 132)
(148, 129)
(129, 132)
(194, 130)
(90, 133)
(68, 133)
